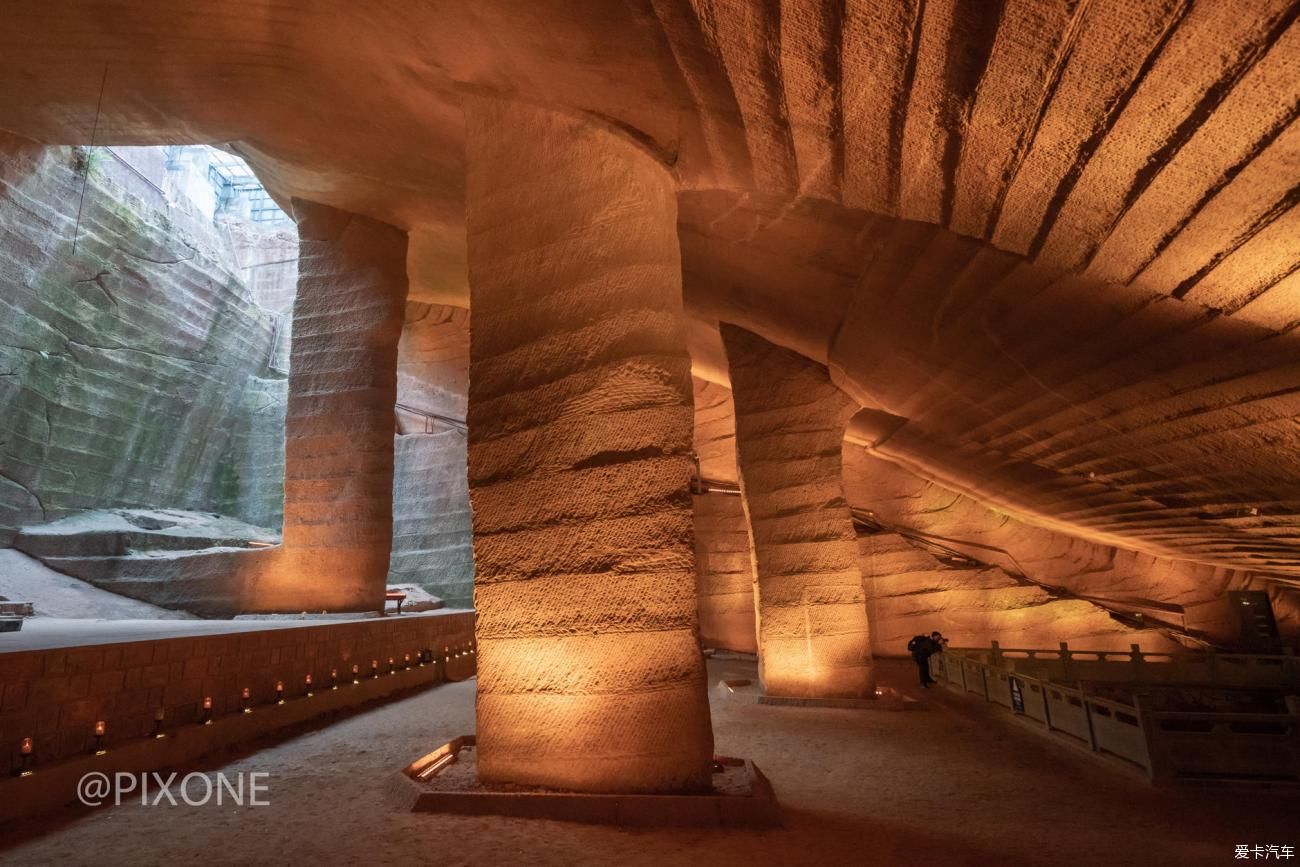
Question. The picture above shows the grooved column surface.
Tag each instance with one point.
(725, 569)
(813, 638)
(580, 422)
(338, 488)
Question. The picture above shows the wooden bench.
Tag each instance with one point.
(395, 596)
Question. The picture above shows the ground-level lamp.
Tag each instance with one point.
(306, 683)
(374, 668)
(101, 729)
(246, 697)
(392, 665)
(206, 719)
(334, 678)
(356, 674)
(407, 660)
(279, 692)
(158, 717)
(25, 749)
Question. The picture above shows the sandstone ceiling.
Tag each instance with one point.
(1054, 244)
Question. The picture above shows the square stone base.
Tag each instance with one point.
(742, 796)
(887, 698)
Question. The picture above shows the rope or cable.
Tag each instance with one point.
(85, 177)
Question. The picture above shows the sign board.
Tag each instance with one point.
(1017, 696)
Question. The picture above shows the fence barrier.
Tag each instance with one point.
(1171, 747)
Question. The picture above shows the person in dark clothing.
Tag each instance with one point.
(922, 647)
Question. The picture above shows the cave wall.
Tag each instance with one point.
(910, 592)
(432, 544)
(133, 371)
(909, 598)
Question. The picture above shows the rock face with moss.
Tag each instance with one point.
(431, 517)
(134, 367)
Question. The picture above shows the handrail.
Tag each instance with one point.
(1221, 716)
(458, 423)
(1169, 746)
(714, 486)
(141, 175)
(1065, 652)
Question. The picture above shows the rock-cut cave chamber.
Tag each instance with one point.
(631, 345)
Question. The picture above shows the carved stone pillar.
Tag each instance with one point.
(338, 447)
(812, 618)
(580, 419)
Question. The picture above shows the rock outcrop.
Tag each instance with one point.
(193, 562)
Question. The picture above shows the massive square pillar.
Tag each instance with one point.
(338, 448)
(580, 421)
(813, 639)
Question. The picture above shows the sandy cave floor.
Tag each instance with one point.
(951, 782)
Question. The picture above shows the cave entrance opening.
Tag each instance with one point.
(146, 355)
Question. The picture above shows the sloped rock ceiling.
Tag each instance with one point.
(1057, 240)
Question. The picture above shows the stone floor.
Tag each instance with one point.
(952, 782)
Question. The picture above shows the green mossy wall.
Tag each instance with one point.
(134, 371)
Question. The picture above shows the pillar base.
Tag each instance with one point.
(446, 781)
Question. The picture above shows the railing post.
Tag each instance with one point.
(1045, 685)
(1293, 708)
(1156, 769)
(995, 653)
(1066, 667)
(1087, 718)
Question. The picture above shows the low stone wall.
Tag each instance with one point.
(56, 696)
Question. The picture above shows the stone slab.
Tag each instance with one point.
(749, 802)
